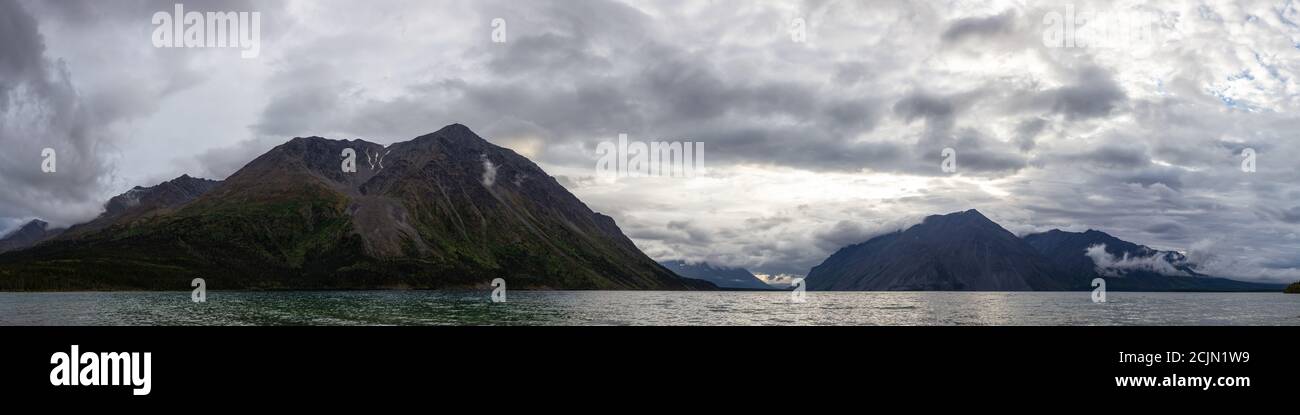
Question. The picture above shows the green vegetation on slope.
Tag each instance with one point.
(230, 245)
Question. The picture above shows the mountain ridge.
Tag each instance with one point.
(445, 209)
(965, 251)
(721, 276)
(142, 202)
(30, 233)
(961, 251)
(1137, 268)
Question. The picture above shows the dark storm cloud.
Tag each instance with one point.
(673, 95)
(976, 152)
(843, 233)
(41, 109)
(796, 146)
(938, 112)
(605, 74)
(694, 234)
(89, 12)
(308, 98)
(1000, 24)
(1093, 94)
(23, 48)
(77, 100)
(984, 155)
(1147, 148)
(545, 53)
(1168, 228)
(1127, 155)
(1287, 215)
(1027, 133)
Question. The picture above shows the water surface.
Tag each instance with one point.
(646, 308)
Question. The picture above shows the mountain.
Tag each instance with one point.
(962, 251)
(446, 209)
(723, 277)
(31, 233)
(123, 209)
(1129, 266)
(144, 202)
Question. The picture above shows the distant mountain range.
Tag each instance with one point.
(450, 209)
(447, 209)
(723, 277)
(966, 251)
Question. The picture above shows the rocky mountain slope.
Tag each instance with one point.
(962, 251)
(447, 209)
(31, 233)
(1127, 266)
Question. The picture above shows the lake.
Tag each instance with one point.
(646, 308)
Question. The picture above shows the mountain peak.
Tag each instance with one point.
(970, 217)
(957, 251)
(453, 133)
(36, 224)
(187, 180)
(31, 233)
(455, 128)
(972, 213)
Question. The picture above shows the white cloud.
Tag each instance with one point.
(1111, 266)
(489, 172)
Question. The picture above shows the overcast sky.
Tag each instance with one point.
(810, 145)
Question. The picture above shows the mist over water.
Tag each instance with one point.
(646, 308)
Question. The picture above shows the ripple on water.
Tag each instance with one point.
(617, 308)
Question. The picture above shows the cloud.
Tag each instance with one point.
(1111, 266)
(77, 77)
(778, 280)
(1171, 228)
(41, 108)
(971, 27)
(809, 144)
(489, 172)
